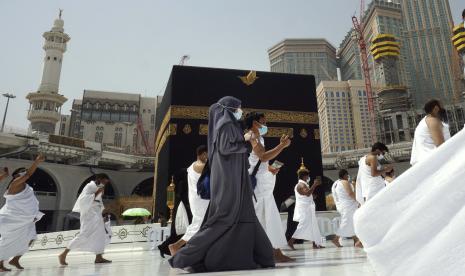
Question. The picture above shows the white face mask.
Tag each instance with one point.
(308, 180)
(99, 197)
(380, 157)
(238, 114)
(22, 173)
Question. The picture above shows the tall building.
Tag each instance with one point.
(349, 58)
(75, 120)
(344, 117)
(63, 126)
(388, 56)
(112, 119)
(304, 56)
(45, 104)
(431, 60)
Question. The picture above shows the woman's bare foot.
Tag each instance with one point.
(290, 243)
(315, 246)
(174, 247)
(336, 242)
(279, 257)
(62, 258)
(15, 262)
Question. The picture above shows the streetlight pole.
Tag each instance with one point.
(8, 96)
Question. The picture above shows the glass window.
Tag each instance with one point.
(124, 117)
(337, 94)
(106, 116)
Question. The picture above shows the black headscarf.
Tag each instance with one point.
(220, 114)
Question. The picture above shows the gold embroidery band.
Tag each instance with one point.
(272, 116)
(274, 132)
(201, 113)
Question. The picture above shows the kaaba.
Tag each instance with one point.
(288, 101)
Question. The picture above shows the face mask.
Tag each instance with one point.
(308, 180)
(349, 179)
(99, 197)
(238, 114)
(380, 157)
(22, 173)
(263, 130)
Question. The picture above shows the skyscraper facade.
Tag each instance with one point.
(431, 60)
(344, 117)
(304, 56)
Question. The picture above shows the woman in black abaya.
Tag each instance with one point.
(231, 237)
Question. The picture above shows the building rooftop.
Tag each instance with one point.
(300, 42)
(111, 96)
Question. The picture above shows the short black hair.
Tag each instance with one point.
(201, 149)
(302, 174)
(101, 176)
(431, 104)
(251, 117)
(463, 14)
(343, 173)
(379, 146)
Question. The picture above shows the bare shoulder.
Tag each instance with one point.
(370, 159)
(198, 167)
(433, 122)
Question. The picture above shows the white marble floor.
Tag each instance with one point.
(130, 259)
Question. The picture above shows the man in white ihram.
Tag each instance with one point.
(94, 234)
(416, 226)
(264, 202)
(197, 204)
(369, 176)
(346, 205)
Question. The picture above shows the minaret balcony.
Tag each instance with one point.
(43, 115)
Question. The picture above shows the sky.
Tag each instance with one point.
(130, 46)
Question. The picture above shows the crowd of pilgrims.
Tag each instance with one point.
(226, 217)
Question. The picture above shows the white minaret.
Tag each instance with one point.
(45, 104)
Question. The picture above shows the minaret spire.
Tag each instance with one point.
(45, 103)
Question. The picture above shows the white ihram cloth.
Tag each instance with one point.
(416, 225)
(346, 206)
(265, 206)
(94, 235)
(198, 205)
(305, 214)
(367, 186)
(17, 223)
(423, 144)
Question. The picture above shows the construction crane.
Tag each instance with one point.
(359, 28)
(140, 128)
(183, 60)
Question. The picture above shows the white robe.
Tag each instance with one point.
(305, 214)
(423, 144)
(94, 235)
(346, 206)
(198, 205)
(367, 186)
(416, 225)
(265, 206)
(17, 226)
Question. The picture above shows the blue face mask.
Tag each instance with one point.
(238, 114)
(263, 130)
